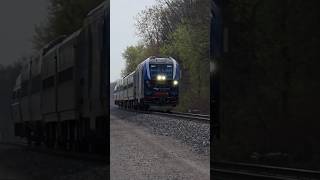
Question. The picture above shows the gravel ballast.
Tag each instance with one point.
(194, 134)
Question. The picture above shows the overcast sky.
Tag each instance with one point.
(17, 18)
(123, 31)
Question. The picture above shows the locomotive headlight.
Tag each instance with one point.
(161, 78)
(175, 82)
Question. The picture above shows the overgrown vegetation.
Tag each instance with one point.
(180, 29)
(270, 82)
(64, 18)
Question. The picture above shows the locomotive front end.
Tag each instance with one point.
(162, 86)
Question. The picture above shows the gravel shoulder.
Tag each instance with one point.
(136, 153)
(195, 135)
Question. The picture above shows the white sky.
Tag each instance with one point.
(123, 30)
(18, 18)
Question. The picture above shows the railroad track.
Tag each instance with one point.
(231, 170)
(60, 153)
(198, 117)
(189, 116)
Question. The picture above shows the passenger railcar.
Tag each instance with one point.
(154, 84)
(60, 97)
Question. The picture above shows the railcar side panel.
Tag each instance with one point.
(49, 78)
(25, 101)
(63, 99)
(99, 80)
(16, 108)
(35, 96)
(130, 89)
(66, 79)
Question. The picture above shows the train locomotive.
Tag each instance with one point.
(61, 97)
(153, 85)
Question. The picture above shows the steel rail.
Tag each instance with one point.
(192, 114)
(198, 117)
(256, 171)
(242, 175)
(201, 118)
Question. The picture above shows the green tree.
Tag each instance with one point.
(132, 56)
(189, 48)
(64, 17)
(180, 29)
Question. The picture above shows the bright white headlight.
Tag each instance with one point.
(159, 77)
(175, 82)
(163, 77)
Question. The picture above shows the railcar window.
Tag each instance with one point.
(36, 84)
(66, 75)
(14, 95)
(130, 85)
(18, 93)
(49, 82)
(24, 88)
(81, 81)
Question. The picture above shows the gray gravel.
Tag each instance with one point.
(194, 134)
(136, 154)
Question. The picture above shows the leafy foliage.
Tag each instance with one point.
(65, 17)
(269, 80)
(134, 55)
(180, 29)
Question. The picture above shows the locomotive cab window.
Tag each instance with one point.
(161, 69)
(36, 84)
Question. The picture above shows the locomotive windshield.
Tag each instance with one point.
(161, 69)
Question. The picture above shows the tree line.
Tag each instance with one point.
(64, 18)
(270, 82)
(180, 29)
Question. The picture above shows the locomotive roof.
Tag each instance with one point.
(52, 45)
(160, 60)
(101, 6)
(63, 38)
(59, 41)
(70, 37)
(129, 74)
